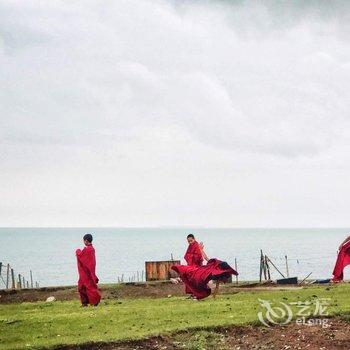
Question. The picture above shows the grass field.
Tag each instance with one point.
(39, 325)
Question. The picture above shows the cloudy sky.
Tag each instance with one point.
(149, 113)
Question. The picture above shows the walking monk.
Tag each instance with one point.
(194, 253)
(343, 260)
(87, 284)
(196, 278)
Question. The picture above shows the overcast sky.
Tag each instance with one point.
(148, 113)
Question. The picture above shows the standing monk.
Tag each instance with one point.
(194, 253)
(194, 257)
(87, 284)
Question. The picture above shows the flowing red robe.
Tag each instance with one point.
(194, 255)
(196, 278)
(87, 284)
(343, 260)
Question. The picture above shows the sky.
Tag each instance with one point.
(175, 113)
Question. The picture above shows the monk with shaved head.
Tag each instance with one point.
(87, 284)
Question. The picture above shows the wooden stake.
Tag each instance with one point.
(260, 275)
(8, 276)
(267, 268)
(263, 264)
(1, 275)
(236, 270)
(19, 281)
(13, 279)
(287, 266)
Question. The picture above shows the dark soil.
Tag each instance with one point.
(335, 336)
(125, 290)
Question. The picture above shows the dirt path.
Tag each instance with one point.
(335, 336)
(136, 290)
(127, 290)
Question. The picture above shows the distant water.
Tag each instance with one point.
(49, 252)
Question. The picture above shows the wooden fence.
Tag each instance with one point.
(10, 280)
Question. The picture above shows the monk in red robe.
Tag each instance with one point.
(87, 284)
(343, 260)
(194, 255)
(196, 278)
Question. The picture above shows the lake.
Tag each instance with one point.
(50, 252)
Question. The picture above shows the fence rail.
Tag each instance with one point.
(9, 279)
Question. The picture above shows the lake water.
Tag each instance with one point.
(49, 252)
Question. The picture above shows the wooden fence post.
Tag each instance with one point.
(8, 276)
(19, 281)
(260, 273)
(0, 273)
(262, 266)
(267, 268)
(236, 270)
(31, 279)
(13, 279)
(287, 269)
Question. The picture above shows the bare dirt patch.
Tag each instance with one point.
(292, 336)
(108, 292)
(126, 290)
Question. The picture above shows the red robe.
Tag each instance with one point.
(343, 260)
(87, 284)
(194, 255)
(196, 278)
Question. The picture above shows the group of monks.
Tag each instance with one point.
(195, 275)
